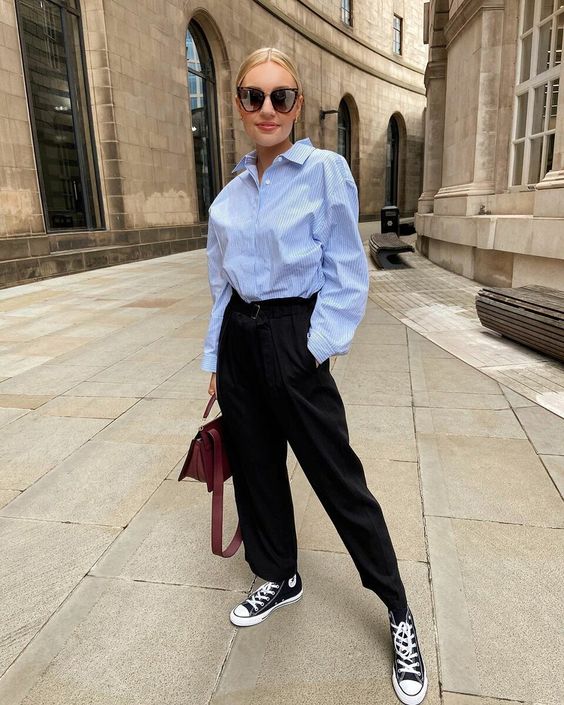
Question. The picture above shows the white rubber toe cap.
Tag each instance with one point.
(411, 687)
(241, 611)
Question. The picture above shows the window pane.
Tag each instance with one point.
(528, 15)
(539, 109)
(545, 39)
(526, 58)
(549, 153)
(553, 105)
(559, 39)
(192, 58)
(522, 102)
(535, 161)
(518, 163)
(547, 8)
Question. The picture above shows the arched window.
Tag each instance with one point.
(344, 131)
(392, 162)
(203, 106)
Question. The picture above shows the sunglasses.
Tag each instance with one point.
(282, 99)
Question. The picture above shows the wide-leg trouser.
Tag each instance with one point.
(271, 392)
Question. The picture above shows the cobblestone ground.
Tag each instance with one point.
(109, 592)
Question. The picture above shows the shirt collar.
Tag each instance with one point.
(297, 153)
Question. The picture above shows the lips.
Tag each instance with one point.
(267, 125)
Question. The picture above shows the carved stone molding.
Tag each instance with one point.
(466, 14)
(554, 179)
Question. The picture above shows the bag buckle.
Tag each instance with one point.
(256, 312)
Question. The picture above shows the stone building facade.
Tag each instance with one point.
(118, 128)
(492, 206)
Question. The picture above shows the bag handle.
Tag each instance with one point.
(209, 405)
(217, 505)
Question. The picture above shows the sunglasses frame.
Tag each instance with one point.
(264, 97)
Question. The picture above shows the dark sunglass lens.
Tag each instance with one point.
(256, 99)
(283, 100)
(251, 99)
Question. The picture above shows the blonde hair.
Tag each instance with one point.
(261, 56)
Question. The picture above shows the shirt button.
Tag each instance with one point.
(267, 182)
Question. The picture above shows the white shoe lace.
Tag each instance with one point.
(259, 598)
(406, 649)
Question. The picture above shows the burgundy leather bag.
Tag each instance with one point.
(207, 462)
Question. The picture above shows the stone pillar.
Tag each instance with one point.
(474, 39)
(435, 82)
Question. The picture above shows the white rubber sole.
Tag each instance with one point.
(251, 621)
(410, 699)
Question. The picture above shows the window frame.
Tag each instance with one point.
(346, 13)
(82, 120)
(535, 81)
(397, 35)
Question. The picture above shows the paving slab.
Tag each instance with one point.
(516, 400)
(344, 658)
(87, 407)
(23, 401)
(7, 496)
(42, 562)
(395, 485)
(491, 481)
(168, 541)
(468, 422)
(100, 483)
(34, 444)
(380, 334)
(498, 600)
(190, 382)
(460, 400)
(555, 466)
(382, 432)
(460, 699)
(8, 415)
(453, 375)
(136, 388)
(125, 642)
(546, 430)
(48, 379)
(160, 421)
(380, 359)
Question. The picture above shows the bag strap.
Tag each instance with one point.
(217, 505)
(209, 405)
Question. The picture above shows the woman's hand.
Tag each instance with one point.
(211, 388)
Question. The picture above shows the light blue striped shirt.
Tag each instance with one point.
(293, 234)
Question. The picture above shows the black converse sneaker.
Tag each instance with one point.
(409, 677)
(266, 599)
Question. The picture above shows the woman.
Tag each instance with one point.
(289, 283)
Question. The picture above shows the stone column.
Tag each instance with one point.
(435, 82)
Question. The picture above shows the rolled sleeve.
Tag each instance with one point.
(341, 301)
(221, 293)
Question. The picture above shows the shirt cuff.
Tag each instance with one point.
(209, 362)
(319, 347)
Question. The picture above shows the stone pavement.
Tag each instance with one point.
(109, 592)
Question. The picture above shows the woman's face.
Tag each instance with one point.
(266, 127)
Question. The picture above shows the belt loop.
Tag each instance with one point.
(255, 313)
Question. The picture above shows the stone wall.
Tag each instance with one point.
(471, 219)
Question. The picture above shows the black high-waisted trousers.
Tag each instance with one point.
(271, 392)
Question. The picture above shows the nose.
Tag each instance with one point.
(267, 108)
